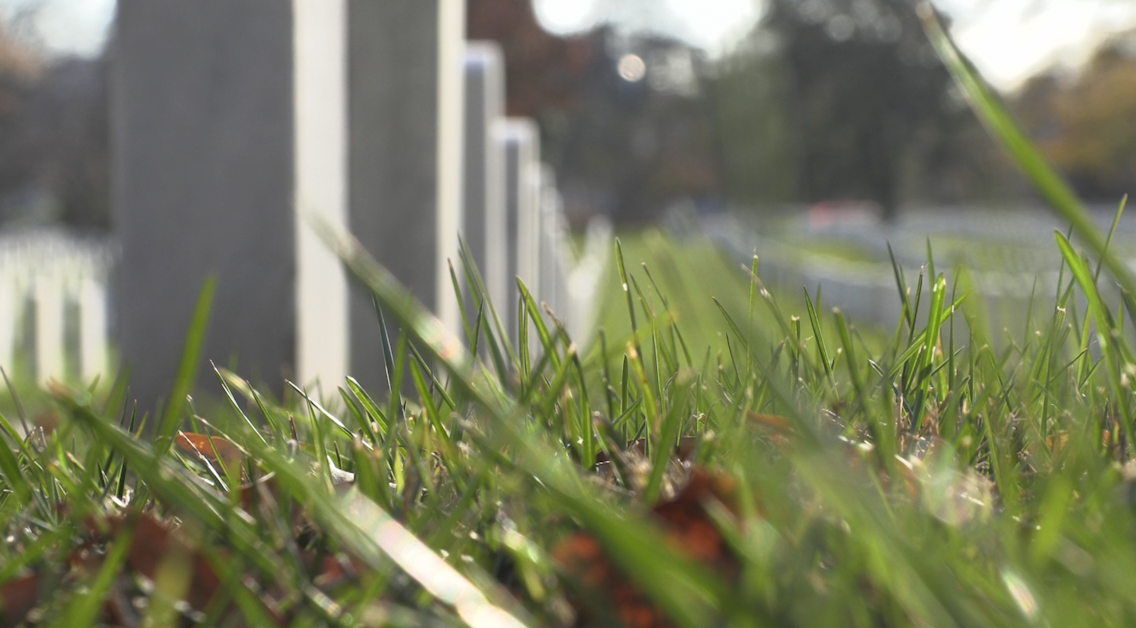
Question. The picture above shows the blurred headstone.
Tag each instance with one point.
(405, 156)
(92, 301)
(587, 278)
(11, 301)
(228, 130)
(49, 324)
(522, 210)
(552, 228)
(484, 209)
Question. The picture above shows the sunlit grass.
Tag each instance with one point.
(918, 478)
(924, 476)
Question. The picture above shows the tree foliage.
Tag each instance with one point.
(624, 148)
(845, 100)
(1086, 124)
(542, 71)
(54, 137)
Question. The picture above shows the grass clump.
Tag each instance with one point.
(796, 474)
(779, 470)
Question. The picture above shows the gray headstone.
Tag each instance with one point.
(521, 139)
(92, 301)
(551, 243)
(586, 279)
(49, 324)
(228, 128)
(484, 209)
(405, 157)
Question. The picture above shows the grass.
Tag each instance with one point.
(924, 479)
(683, 279)
(708, 462)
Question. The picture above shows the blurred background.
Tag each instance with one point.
(646, 105)
(810, 132)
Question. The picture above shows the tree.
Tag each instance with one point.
(625, 148)
(542, 71)
(851, 94)
(1087, 124)
(71, 115)
(756, 134)
(53, 133)
(20, 73)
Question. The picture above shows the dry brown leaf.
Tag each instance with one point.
(689, 529)
(18, 596)
(212, 448)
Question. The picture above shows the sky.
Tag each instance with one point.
(1007, 39)
(68, 26)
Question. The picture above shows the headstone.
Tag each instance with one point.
(405, 157)
(92, 300)
(49, 323)
(228, 130)
(11, 296)
(551, 242)
(484, 209)
(522, 210)
(587, 278)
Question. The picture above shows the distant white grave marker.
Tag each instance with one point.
(484, 227)
(521, 139)
(49, 325)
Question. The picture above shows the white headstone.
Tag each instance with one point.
(587, 277)
(92, 298)
(49, 325)
(10, 299)
(551, 242)
(484, 210)
(521, 139)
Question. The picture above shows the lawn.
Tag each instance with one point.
(800, 476)
(748, 461)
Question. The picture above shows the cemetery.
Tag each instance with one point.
(222, 174)
(349, 357)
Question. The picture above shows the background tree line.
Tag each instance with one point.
(54, 134)
(824, 101)
(1086, 122)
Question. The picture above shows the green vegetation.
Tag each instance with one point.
(683, 279)
(706, 462)
(925, 480)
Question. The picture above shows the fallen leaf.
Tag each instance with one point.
(18, 596)
(153, 543)
(690, 530)
(212, 448)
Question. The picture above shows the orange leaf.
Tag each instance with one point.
(17, 597)
(210, 447)
(690, 530)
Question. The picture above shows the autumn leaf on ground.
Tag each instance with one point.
(687, 525)
(212, 448)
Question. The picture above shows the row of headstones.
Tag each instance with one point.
(237, 120)
(53, 307)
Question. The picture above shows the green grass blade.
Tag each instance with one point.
(187, 367)
(822, 349)
(537, 320)
(627, 292)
